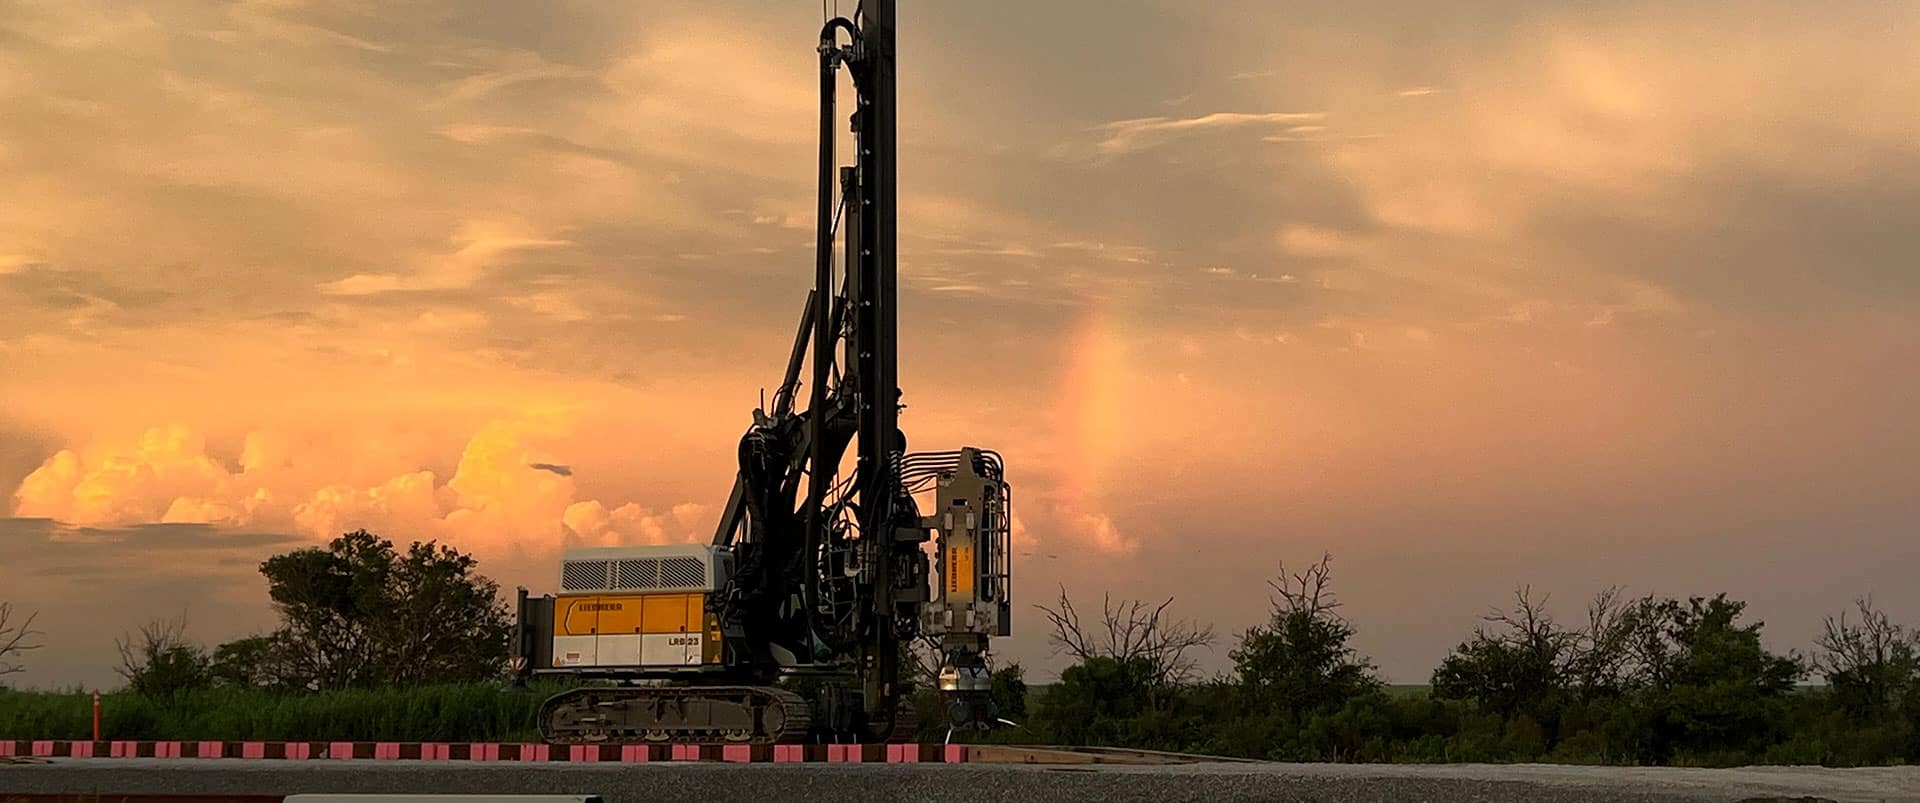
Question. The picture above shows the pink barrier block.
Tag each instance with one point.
(386, 751)
(166, 749)
(737, 753)
(903, 754)
(686, 752)
(253, 749)
(434, 751)
(123, 749)
(635, 752)
(955, 754)
(299, 750)
(43, 748)
(210, 750)
(786, 753)
(483, 752)
(340, 750)
(80, 749)
(7, 747)
(850, 753)
(583, 752)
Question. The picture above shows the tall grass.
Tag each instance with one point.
(453, 713)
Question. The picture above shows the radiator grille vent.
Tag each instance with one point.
(682, 573)
(583, 575)
(640, 573)
(644, 569)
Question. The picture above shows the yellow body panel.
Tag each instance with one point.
(960, 571)
(610, 614)
(576, 616)
(710, 650)
(619, 614)
(667, 613)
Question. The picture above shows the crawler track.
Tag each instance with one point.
(704, 715)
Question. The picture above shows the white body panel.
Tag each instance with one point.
(575, 651)
(671, 649)
(620, 650)
(638, 649)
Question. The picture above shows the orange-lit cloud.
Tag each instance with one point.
(493, 504)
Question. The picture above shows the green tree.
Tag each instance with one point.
(1152, 651)
(1600, 662)
(1300, 663)
(1130, 679)
(1518, 662)
(1008, 685)
(161, 663)
(360, 614)
(1872, 666)
(251, 662)
(1109, 701)
(1710, 688)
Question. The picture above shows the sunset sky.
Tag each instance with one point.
(1469, 295)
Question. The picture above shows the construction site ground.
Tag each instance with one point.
(101, 779)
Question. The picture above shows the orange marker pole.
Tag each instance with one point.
(96, 715)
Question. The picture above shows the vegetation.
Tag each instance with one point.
(1647, 680)
(450, 713)
(355, 615)
(359, 614)
(1644, 681)
(16, 639)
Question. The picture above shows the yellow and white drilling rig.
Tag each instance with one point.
(789, 625)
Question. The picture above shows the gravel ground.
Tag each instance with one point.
(708, 783)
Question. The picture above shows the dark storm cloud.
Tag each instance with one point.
(90, 584)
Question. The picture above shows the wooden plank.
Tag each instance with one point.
(1041, 754)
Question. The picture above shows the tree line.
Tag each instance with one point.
(1638, 680)
(357, 614)
(1642, 680)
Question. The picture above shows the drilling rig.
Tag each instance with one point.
(791, 625)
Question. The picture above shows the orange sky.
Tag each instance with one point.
(1469, 298)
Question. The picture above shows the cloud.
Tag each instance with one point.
(497, 499)
(501, 69)
(1127, 136)
(1312, 241)
(591, 523)
(478, 248)
(137, 483)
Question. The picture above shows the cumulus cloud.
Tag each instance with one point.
(496, 499)
(1098, 531)
(133, 483)
(591, 523)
